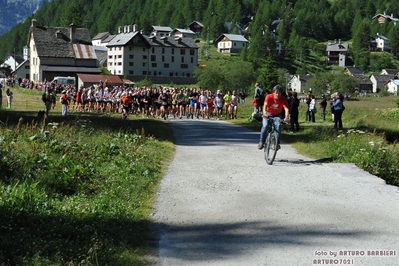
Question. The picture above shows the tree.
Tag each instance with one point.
(345, 84)
(320, 83)
(268, 76)
(72, 15)
(393, 37)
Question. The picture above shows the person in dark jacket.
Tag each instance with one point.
(322, 107)
(338, 109)
(293, 107)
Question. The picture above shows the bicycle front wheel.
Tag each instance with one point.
(271, 148)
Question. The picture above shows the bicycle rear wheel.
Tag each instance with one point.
(271, 148)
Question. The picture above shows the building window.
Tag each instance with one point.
(183, 66)
(171, 74)
(131, 72)
(144, 64)
(192, 52)
(153, 50)
(182, 59)
(192, 60)
(182, 51)
(154, 65)
(143, 49)
(163, 50)
(144, 73)
(131, 64)
(110, 56)
(144, 57)
(131, 56)
(119, 63)
(120, 56)
(166, 65)
(163, 58)
(173, 59)
(173, 50)
(110, 63)
(119, 71)
(120, 48)
(153, 58)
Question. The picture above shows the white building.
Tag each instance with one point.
(392, 86)
(379, 43)
(133, 54)
(182, 33)
(231, 43)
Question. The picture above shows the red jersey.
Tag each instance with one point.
(275, 106)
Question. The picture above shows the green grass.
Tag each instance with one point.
(78, 190)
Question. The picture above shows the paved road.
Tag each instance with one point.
(221, 204)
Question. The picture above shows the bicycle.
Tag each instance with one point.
(271, 144)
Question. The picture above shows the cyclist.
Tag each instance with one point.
(272, 107)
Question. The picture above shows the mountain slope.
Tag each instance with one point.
(13, 12)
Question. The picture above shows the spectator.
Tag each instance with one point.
(242, 96)
(64, 103)
(338, 110)
(48, 99)
(322, 107)
(294, 113)
(312, 109)
(9, 98)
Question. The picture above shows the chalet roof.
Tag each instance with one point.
(22, 64)
(337, 47)
(109, 38)
(196, 22)
(162, 28)
(123, 38)
(18, 58)
(390, 71)
(90, 78)
(364, 80)
(48, 45)
(381, 78)
(354, 71)
(377, 36)
(184, 42)
(395, 81)
(183, 31)
(101, 36)
(232, 37)
(386, 16)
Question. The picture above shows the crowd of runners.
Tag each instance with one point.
(154, 102)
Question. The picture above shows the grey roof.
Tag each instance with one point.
(382, 78)
(48, 45)
(386, 16)
(162, 28)
(232, 37)
(109, 38)
(337, 47)
(380, 37)
(355, 71)
(199, 23)
(123, 38)
(101, 36)
(183, 31)
(391, 71)
(185, 42)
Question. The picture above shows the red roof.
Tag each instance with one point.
(112, 79)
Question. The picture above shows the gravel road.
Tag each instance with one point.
(221, 204)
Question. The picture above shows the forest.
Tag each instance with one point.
(306, 25)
